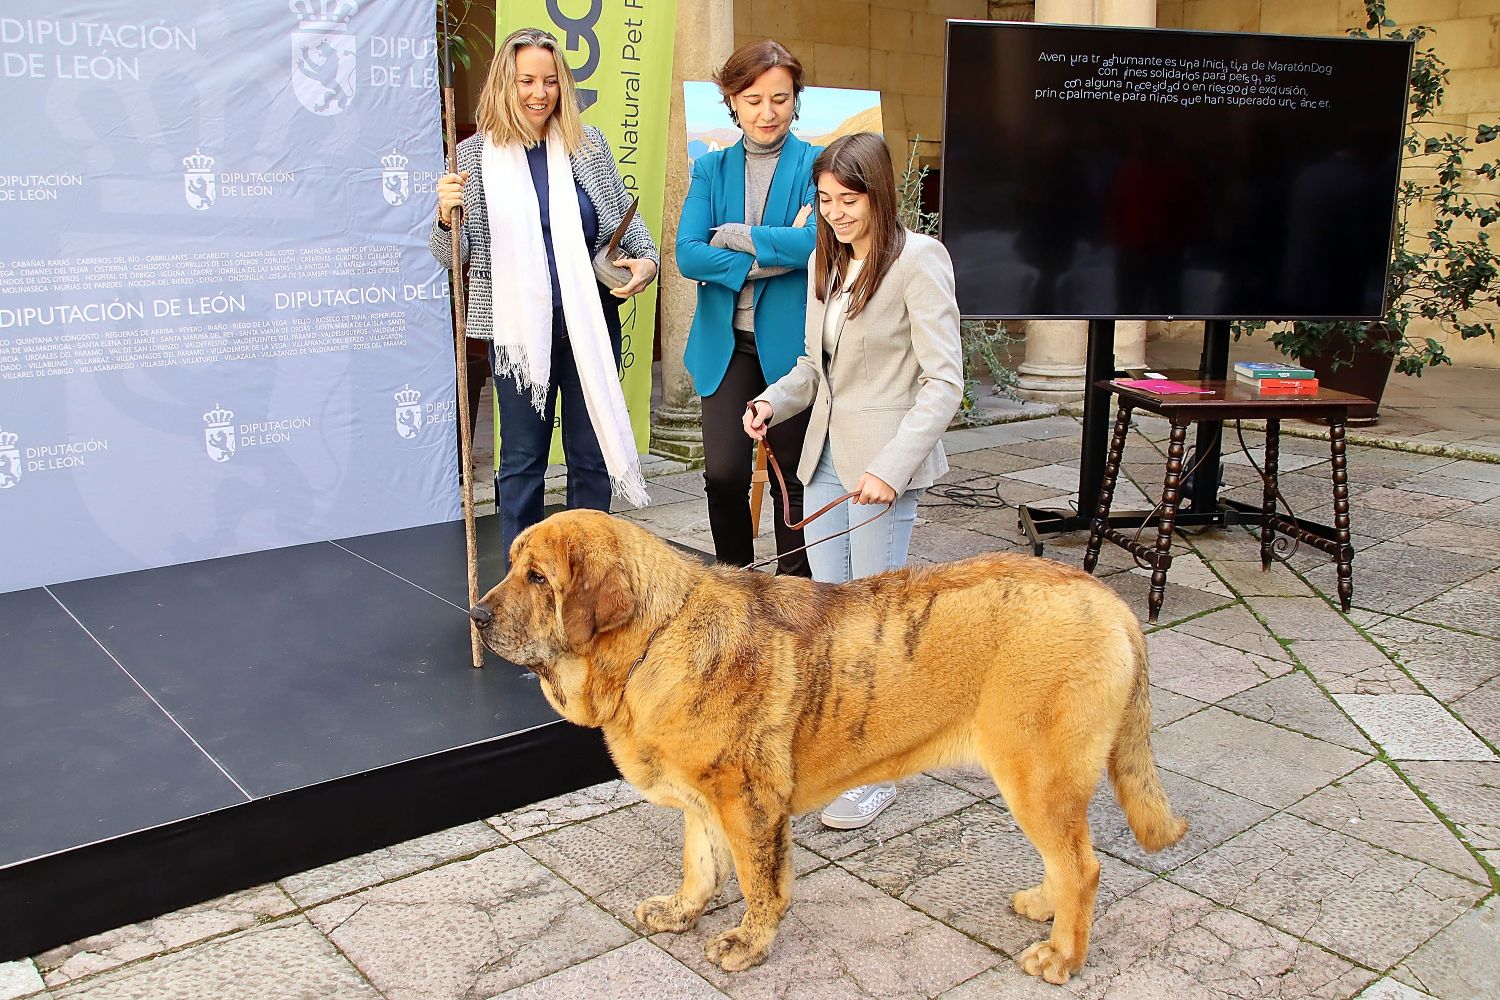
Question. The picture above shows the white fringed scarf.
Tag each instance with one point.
(523, 300)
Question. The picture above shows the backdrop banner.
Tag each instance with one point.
(620, 52)
(221, 330)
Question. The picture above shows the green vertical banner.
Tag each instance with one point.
(620, 52)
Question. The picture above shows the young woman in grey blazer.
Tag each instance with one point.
(541, 195)
(881, 373)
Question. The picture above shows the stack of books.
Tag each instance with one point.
(1272, 379)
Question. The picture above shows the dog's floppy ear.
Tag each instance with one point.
(598, 598)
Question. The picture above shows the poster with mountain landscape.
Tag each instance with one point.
(827, 113)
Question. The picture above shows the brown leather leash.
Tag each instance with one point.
(786, 510)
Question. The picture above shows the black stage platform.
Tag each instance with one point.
(170, 735)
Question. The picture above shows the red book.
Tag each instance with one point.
(1284, 386)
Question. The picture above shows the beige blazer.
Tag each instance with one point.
(894, 380)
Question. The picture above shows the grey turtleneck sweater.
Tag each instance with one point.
(760, 166)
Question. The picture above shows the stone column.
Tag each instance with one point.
(705, 38)
(1055, 349)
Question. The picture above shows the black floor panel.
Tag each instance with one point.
(84, 753)
(303, 664)
(432, 557)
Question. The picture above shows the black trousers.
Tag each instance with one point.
(729, 455)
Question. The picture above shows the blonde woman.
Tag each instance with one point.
(541, 194)
(882, 326)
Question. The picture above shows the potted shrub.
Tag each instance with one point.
(1443, 266)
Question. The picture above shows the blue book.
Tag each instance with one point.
(1271, 369)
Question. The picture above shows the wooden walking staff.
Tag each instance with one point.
(460, 351)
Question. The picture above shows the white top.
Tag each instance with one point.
(838, 306)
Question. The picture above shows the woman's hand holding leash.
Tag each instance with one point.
(757, 418)
(873, 489)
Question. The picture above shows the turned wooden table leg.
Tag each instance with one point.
(1171, 496)
(1268, 498)
(1345, 556)
(1107, 488)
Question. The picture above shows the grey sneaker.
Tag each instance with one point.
(858, 807)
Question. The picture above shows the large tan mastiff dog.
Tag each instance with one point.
(743, 699)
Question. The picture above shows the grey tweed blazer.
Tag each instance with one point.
(595, 171)
(892, 382)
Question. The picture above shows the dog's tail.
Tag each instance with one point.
(1132, 766)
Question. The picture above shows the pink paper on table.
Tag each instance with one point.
(1161, 386)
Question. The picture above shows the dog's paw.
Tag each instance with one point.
(735, 950)
(667, 913)
(1032, 903)
(1045, 960)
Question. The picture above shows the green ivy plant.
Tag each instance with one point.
(1440, 271)
(982, 340)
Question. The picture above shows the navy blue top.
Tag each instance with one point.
(536, 159)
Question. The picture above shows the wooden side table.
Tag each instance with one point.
(1231, 400)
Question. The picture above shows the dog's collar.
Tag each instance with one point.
(642, 658)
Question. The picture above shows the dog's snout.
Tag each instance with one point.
(481, 615)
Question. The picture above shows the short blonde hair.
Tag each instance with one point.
(501, 114)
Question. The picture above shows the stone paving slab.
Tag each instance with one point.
(1467, 793)
(919, 800)
(825, 952)
(19, 979)
(1294, 702)
(466, 929)
(1374, 805)
(1413, 727)
(91, 955)
(1352, 666)
(288, 960)
(1206, 671)
(1394, 577)
(640, 969)
(555, 813)
(1166, 943)
(623, 857)
(1480, 711)
(1439, 484)
(1351, 897)
(1188, 570)
(1448, 664)
(322, 884)
(1474, 607)
(1309, 617)
(1179, 602)
(1169, 706)
(1462, 962)
(963, 869)
(1213, 816)
(1390, 989)
(1251, 759)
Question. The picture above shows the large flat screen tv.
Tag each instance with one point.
(1136, 173)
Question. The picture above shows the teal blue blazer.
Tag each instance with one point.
(716, 196)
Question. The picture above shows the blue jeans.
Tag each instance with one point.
(526, 440)
(873, 548)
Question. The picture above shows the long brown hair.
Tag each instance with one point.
(500, 114)
(862, 163)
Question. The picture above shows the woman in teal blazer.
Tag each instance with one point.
(745, 236)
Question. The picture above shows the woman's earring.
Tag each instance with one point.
(797, 109)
